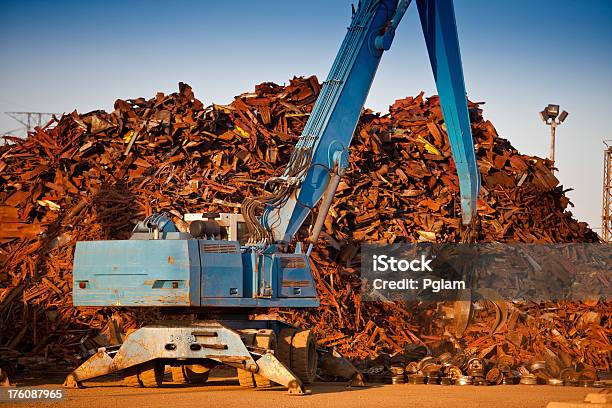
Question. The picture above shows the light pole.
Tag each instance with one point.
(550, 116)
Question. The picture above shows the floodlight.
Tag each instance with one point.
(549, 117)
(553, 110)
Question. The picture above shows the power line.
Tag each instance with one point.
(29, 120)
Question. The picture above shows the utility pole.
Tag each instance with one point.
(606, 208)
(550, 116)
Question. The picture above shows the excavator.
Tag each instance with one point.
(229, 267)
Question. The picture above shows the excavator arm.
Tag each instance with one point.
(320, 157)
(440, 30)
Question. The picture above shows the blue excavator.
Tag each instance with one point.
(231, 266)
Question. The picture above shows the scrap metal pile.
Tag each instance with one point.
(92, 176)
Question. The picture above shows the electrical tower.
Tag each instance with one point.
(606, 208)
(30, 120)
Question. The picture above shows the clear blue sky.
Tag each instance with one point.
(518, 56)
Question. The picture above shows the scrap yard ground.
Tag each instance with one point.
(225, 392)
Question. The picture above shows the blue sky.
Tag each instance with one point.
(518, 56)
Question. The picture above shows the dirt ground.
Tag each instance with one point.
(225, 392)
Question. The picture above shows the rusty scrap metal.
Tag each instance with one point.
(93, 175)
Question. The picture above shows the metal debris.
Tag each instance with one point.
(92, 175)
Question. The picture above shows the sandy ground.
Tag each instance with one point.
(225, 392)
